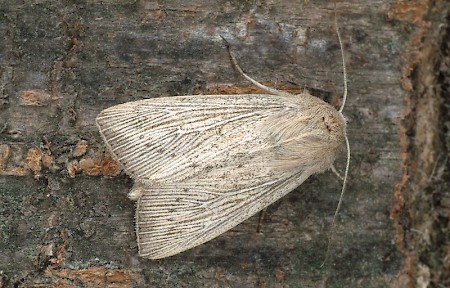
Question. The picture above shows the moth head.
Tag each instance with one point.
(335, 124)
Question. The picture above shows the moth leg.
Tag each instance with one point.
(256, 83)
(260, 220)
(336, 172)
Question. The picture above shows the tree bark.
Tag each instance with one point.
(65, 217)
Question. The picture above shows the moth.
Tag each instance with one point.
(203, 164)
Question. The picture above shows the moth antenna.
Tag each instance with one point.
(256, 83)
(344, 70)
(347, 144)
(341, 197)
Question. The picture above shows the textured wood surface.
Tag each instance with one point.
(65, 219)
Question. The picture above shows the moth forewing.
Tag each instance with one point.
(203, 164)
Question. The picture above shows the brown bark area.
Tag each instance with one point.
(65, 219)
(422, 199)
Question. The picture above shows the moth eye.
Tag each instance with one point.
(325, 122)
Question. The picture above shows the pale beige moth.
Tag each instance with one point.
(203, 164)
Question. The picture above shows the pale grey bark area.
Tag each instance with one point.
(60, 225)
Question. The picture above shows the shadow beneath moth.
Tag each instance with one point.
(203, 164)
